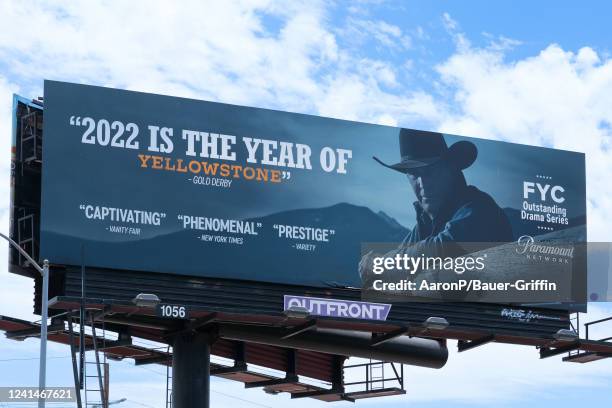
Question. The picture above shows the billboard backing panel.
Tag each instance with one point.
(162, 184)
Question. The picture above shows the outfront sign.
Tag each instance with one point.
(162, 184)
(338, 308)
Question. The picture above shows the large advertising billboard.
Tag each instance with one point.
(163, 184)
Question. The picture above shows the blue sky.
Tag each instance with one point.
(538, 73)
(569, 24)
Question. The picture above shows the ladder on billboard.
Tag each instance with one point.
(85, 396)
(168, 382)
(96, 397)
(376, 374)
(31, 138)
(381, 378)
(25, 234)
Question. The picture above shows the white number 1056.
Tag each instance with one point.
(173, 311)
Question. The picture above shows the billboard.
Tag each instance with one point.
(163, 184)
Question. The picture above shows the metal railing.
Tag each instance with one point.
(391, 376)
(589, 324)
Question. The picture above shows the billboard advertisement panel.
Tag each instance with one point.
(163, 184)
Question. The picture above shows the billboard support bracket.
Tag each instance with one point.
(378, 339)
(194, 325)
(465, 345)
(309, 394)
(548, 352)
(304, 327)
(276, 381)
(238, 367)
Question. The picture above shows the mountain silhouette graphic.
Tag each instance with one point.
(262, 257)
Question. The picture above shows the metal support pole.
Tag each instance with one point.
(191, 371)
(106, 385)
(42, 372)
(44, 271)
(82, 320)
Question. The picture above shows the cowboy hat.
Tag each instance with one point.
(419, 149)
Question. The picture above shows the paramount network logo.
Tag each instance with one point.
(527, 246)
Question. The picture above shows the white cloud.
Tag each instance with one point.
(385, 35)
(449, 22)
(557, 98)
(214, 49)
(210, 50)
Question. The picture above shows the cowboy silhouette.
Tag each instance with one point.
(448, 210)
